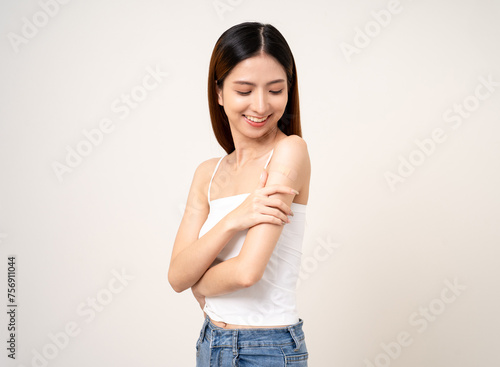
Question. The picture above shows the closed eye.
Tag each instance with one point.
(272, 91)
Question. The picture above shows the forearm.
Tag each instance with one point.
(190, 264)
(222, 278)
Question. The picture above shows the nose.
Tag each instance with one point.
(259, 103)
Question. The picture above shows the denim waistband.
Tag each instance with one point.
(238, 338)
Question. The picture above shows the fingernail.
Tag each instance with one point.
(295, 192)
(283, 223)
(291, 213)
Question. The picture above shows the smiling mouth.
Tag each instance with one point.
(256, 119)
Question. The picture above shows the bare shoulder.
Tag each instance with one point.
(202, 176)
(293, 148)
(207, 167)
(294, 140)
(291, 162)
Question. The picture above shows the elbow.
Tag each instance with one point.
(248, 273)
(177, 288)
(174, 284)
(249, 278)
(246, 282)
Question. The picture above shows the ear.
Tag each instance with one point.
(219, 94)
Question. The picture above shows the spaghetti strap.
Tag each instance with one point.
(213, 174)
(269, 158)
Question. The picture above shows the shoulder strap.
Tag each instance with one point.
(269, 159)
(213, 174)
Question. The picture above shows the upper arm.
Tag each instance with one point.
(196, 211)
(290, 165)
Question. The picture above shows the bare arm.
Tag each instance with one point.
(290, 166)
(191, 256)
(221, 279)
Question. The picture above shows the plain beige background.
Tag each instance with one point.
(400, 255)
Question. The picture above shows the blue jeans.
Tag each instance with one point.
(257, 347)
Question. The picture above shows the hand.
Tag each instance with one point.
(199, 297)
(258, 207)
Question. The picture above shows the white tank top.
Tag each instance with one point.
(272, 300)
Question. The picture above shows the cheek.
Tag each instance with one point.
(236, 103)
(281, 102)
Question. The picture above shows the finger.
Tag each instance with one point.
(268, 190)
(272, 219)
(280, 205)
(263, 178)
(277, 213)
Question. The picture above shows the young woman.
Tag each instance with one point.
(239, 242)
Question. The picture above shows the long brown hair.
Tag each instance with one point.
(238, 43)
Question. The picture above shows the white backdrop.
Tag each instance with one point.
(104, 119)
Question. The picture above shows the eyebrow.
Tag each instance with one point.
(243, 82)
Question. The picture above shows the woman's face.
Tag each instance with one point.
(254, 95)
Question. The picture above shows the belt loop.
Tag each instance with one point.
(235, 346)
(295, 339)
(203, 328)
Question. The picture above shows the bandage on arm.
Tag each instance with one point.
(284, 170)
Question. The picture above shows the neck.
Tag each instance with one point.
(248, 149)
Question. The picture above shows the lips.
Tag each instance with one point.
(255, 120)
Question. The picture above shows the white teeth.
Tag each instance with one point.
(254, 119)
